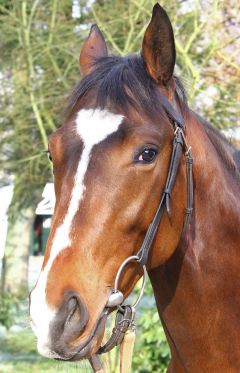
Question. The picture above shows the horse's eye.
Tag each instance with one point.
(148, 155)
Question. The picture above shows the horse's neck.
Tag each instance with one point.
(216, 190)
(192, 287)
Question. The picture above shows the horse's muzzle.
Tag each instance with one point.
(68, 324)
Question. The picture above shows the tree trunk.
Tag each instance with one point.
(15, 261)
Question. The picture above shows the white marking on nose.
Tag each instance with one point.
(93, 126)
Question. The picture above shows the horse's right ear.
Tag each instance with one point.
(93, 48)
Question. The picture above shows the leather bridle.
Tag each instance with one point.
(126, 313)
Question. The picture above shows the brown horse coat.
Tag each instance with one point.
(110, 160)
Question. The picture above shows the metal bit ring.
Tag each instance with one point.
(116, 298)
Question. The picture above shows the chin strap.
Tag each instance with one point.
(124, 335)
(96, 364)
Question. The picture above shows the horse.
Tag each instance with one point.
(126, 131)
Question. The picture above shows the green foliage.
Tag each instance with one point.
(207, 45)
(9, 305)
(151, 353)
(38, 69)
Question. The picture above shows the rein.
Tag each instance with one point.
(124, 331)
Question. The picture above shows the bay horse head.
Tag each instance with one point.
(110, 161)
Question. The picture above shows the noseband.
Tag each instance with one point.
(126, 313)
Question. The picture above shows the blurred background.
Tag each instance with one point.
(40, 43)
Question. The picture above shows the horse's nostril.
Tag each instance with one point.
(76, 316)
(69, 323)
(72, 303)
(74, 311)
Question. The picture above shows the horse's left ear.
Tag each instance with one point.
(158, 49)
(94, 47)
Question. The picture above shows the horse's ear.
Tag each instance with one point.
(93, 48)
(158, 49)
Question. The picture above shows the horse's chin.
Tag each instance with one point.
(91, 345)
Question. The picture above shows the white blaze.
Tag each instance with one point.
(92, 126)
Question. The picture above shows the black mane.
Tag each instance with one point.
(123, 82)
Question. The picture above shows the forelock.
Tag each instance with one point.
(119, 83)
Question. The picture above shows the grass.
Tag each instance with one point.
(18, 354)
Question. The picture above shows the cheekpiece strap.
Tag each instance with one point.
(178, 143)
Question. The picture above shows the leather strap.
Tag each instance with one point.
(124, 320)
(96, 364)
(174, 116)
(189, 208)
(178, 143)
(125, 314)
